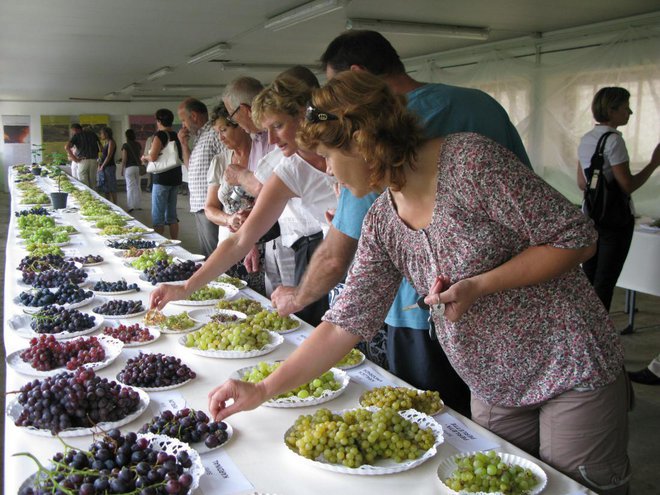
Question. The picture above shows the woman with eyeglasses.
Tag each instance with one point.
(497, 251)
(297, 180)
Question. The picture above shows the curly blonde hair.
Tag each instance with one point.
(388, 134)
(286, 94)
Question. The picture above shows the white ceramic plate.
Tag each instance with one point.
(119, 317)
(203, 449)
(448, 466)
(113, 293)
(341, 377)
(154, 332)
(21, 324)
(203, 315)
(156, 389)
(34, 309)
(383, 466)
(289, 330)
(144, 278)
(170, 242)
(242, 285)
(111, 346)
(14, 410)
(230, 293)
(275, 341)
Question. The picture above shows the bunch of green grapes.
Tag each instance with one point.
(243, 305)
(314, 388)
(45, 235)
(34, 198)
(95, 208)
(358, 437)
(239, 336)
(226, 279)
(39, 249)
(114, 219)
(270, 320)
(31, 222)
(354, 357)
(485, 472)
(150, 258)
(181, 321)
(206, 293)
(402, 398)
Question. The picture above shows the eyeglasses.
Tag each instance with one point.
(314, 115)
(231, 116)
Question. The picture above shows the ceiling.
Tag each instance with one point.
(58, 50)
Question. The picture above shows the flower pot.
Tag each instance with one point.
(58, 199)
(36, 170)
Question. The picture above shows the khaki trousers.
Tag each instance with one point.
(582, 434)
(87, 169)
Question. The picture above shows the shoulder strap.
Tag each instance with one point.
(600, 147)
(596, 160)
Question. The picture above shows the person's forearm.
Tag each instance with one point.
(327, 267)
(216, 215)
(250, 183)
(185, 150)
(640, 178)
(534, 265)
(319, 352)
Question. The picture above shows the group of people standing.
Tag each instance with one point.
(397, 188)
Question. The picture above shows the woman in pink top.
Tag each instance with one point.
(467, 223)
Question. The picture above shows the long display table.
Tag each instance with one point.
(256, 459)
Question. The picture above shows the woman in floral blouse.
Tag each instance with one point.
(467, 223)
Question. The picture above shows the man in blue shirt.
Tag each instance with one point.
(411, 352)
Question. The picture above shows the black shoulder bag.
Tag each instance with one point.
(604, 201)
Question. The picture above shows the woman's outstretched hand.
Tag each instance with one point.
(166, 293)
(245, 396)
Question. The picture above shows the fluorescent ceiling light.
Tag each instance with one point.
(419, 28)
(216, 50)
(303, 13)
(191, 87)
(130, 88)
(159, 73)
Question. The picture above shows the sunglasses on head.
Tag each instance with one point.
(314, 115)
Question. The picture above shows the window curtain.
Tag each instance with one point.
(548, 94)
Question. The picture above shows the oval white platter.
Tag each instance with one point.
(242, 285)
(169, 312)
(34, 309)
(121, 250)
(383, 466)
(182, 255)
(127, 235)
(14, 410)
(274, 342)
(21, 325)
(230, 293)
(448, 466)
(169, 242)
(154, 332)
(111, 346)
(112, 293)
(144, 278)
(289, 330)
(161, 442)
(351, 366)
(288, 402)
(203, 315)
(156, 389)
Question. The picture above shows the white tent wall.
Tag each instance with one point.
(547, 86)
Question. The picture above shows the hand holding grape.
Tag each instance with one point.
(166, 293)
(284, 300)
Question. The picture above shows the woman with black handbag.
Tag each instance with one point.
(611, 109)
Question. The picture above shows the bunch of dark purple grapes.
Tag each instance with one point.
(74, 400)
(119, 286)
(67, 294)
(189, 426)
(130, 243)
(88, 259)
(118, 307)
(67, 274)
(155, 371)
(116, 464)
(163, 271)
(55, 319)
(33, 211)
(42, 263)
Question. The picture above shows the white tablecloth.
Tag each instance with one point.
(257, 448)
(641, 272)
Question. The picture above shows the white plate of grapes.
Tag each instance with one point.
(231, 341)
(209, 295)
(327, 386)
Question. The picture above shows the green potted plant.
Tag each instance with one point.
(37, 150)
(58, 199)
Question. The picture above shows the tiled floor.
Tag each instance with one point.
(640, 347)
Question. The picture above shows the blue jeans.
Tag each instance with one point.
(163, 205)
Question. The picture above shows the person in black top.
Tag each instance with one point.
(130, 169)
(87, 145)
(165, 184)
(107, 172)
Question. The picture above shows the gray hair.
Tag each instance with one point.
(242, 91)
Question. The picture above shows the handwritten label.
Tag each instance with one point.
(461, 437)
(222, 476)
(297, 338)
(369, 377)
(168, 400)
